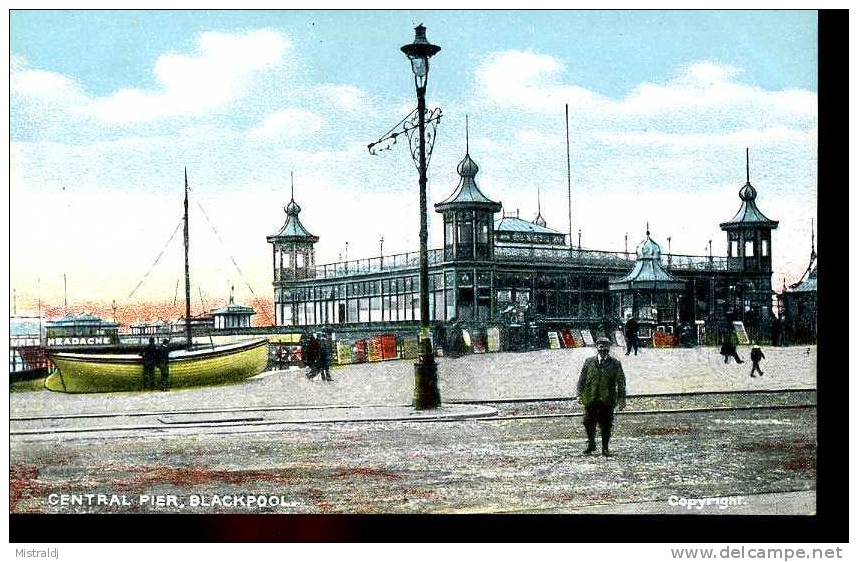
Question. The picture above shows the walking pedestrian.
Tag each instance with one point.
(150, 359)
(631, 334)
(325, 357)
(728, 349)
(164, 363)
(311, 355)
(601, 388)
(756, 357)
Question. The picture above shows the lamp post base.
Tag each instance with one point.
(426, 394)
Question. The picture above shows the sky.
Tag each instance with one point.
(107, 108)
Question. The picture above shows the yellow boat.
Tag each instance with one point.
(89, 372)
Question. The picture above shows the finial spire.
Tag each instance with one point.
(747, 166)
(292, 177)
(647, 228)
(186, 176)
(231, 294)
(467, 147)
(538, 203)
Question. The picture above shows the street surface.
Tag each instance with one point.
(509, 439)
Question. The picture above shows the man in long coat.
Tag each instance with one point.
(150, 359)
(601, 388)
(631, 330)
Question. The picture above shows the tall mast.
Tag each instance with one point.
(569, 178)
(187, 270)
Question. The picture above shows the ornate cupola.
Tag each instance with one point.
(749, 233)
(648, 292)
(468, 215)
(648, 273)
(294, 254)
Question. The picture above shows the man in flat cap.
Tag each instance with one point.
(601, 388)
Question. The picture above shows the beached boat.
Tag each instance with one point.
(116, 372)
(89, 372)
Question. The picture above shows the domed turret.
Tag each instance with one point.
(468, 215)
(294, 258)
(749, 232)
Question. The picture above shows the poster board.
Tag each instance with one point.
(479, 342)
(360, 351)
(466, 336)
(410, 347)
(579, 340)
(388, 346)
(568, 340)
(493, 339)
(553, 340)
(345, 354)
(663, 339)
(375, 348)
(587, 337)
(741, 334)
(620, 338)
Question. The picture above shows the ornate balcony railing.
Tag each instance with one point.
(536, 254)
(381, 264)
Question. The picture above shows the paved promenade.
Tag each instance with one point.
(498, 376)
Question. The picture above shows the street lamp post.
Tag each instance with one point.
(426, 394)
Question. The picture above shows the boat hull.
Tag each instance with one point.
(82, 373)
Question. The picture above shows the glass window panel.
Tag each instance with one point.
(375, 309)
(749, 248)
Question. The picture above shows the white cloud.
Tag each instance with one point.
(346, 97)
(221, 70)
(530, 81)
(703, 94)
(288, 124)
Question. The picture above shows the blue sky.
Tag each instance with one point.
(108, 107)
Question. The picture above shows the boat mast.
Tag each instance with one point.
(187, 270)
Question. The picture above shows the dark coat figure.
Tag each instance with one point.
(324, 361)
(164, 363)
(776, 332)
(631, 333)
(756, 357)
(456, 343)
(150, 359)
(601, 388)
(728, 349)
(311, 356)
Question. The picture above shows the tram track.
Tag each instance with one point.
(487, 402)
(254, 418)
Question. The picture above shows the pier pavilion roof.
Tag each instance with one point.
(648, 272)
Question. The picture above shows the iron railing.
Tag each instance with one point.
(575, 256)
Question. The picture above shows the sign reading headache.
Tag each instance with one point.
(90, 340)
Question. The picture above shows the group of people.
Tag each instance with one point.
(317, 356)
(728, 350)
(602, 384)
(156, 356)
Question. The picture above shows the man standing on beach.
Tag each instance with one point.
(601, 388)
(150, 359)
(164, 363)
